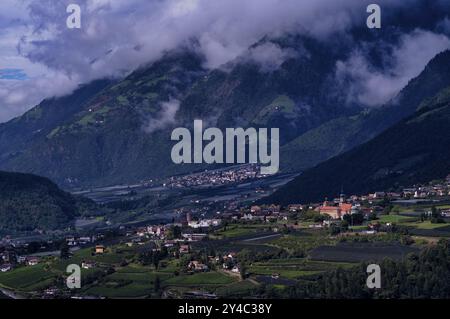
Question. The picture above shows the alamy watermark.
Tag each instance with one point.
(238, 145)
(374, 279)
(374, 19)
(74, 19)
(73, 281)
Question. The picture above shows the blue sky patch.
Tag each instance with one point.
(13, 74)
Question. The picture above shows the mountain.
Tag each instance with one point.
(343, 133)
(35, 124)
(118, 131)
(104, 140)
(412, 151)
(29, 202)
(121, 133)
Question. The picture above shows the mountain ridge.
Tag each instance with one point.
(412, 151)
(29, 202)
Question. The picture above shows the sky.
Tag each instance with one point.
(40, 57)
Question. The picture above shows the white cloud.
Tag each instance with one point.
(165, 117)
(118, 36)
(372, 86)
(269, 56)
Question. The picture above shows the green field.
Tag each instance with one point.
(236, 289)
(238, 230)
(113, 290)
(294, 268)
(395, 219)
(27, 278)
(425, 225)
(200, 279)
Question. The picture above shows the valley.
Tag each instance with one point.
(266, 150)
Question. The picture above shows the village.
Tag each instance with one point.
(216, 177)
(232, 244)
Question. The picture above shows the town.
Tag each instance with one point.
(234, 251)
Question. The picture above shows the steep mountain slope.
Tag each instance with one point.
(344, 133)
(29, 202)
(414, 151)
(292, 97)
(122, 134)
(106, 141)
(35, 124)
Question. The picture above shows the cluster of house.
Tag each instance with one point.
(83, 240)
(9, 259)
(230, 263)
(227, 261)
(257, 213)
(217, 177)
(204, 223)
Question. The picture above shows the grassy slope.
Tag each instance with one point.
(415, 150)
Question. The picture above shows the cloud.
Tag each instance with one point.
(370, 86)
(444, 26)
(164, 118)
(117, 36)
(268, 56)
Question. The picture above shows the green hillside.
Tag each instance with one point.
(29, 202)
(343, 133)
(414, 151)
(111, 137)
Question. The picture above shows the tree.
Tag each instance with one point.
(176, 232)
(65, 251)
(157, 284)
(354, 219)
(243, 271)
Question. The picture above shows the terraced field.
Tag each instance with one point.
(361, 252)
(295, 268)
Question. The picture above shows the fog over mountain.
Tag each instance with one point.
(119, 36)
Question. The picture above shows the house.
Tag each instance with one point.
(21, 259)
(8, 257)
(184, 249)
(141, 232)
(197, 266)
(205, 223)
(445, 213)
(88, 264)
(85, 240)
(345, 208)
(236, 269)
(377, 195)
(229, 257)
(100, 249)
(169, 243)
(51, 291)
(156, 231)
(333, 211)
(194, 237)
(5, 267)
(274, 209)
(32, 261)
(295, 208)
(255, 209)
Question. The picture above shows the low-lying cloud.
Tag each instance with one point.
(164, 118)
(371, 86)
(118, 36)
